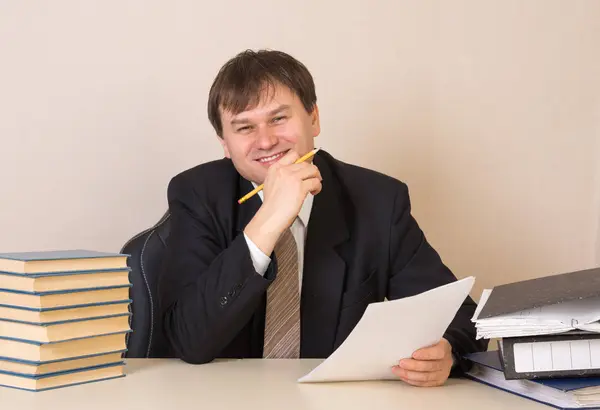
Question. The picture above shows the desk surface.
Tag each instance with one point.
(254, 384)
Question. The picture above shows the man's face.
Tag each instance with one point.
(257, 138)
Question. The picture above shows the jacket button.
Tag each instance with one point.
(223, 301)
(231, 293)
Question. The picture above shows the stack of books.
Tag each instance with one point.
(549, 339)
(64, 317)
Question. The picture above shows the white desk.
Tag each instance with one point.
(253, 384)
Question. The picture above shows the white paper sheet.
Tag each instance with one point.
(390, 331)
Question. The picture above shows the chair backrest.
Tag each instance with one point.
(146, 250)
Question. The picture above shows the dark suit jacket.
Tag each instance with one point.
(362, 245)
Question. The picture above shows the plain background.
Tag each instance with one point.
(488, 110)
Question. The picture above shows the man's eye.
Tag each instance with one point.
(244, 129)
(279, 118)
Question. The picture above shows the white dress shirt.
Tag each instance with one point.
(298, 228)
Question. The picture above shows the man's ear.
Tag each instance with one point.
(315, 121)
(224, 145)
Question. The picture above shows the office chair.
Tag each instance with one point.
(146, 250)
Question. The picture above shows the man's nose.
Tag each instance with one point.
(266, 138)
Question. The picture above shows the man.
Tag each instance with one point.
(290, 272)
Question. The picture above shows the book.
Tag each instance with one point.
(63, 331)
(61, 260)
(38, 353)
(63, 314)
(70, 378)
(562, 393)
(9, 298)
(571, 354)
(27, 369)
(64, 280)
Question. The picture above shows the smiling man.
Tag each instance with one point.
(289, 273)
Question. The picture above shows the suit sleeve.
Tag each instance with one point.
(207, 291)
(417, 267)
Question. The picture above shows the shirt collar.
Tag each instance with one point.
(306, 209)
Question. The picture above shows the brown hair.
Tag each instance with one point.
(242, 80)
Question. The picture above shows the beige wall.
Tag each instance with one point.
(489, 110)
(514, 154)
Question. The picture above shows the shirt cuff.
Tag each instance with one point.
(259, 259)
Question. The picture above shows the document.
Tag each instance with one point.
(390, 331)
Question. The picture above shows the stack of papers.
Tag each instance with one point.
(578, 314)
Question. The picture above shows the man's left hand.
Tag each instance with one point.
(429, 366)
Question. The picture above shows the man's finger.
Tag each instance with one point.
(289, 158)
(312, 185)
(305, 171)
(436, 352)
(423, 384)
(422, 365)
(416, 376)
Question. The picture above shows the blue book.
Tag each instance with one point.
(63, 379)
(69, 298)
(61, 261)
(61, 362)
(61, 275)
(65, 321)
(562, 393)
(32, 352)
(39, 311)
(52, 333)
(55, 369)
(64, 292)
(53, 342)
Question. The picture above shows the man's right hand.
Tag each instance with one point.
(285, 189)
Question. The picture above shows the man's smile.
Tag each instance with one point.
(271, 159)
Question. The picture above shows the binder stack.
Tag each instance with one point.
(549, 339)
(64, 316)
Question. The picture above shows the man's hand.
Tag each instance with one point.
(285, 189)
(429, 366)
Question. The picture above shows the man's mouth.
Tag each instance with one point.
(272, 158)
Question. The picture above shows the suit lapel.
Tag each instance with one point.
(324, 269)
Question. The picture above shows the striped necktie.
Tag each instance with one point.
(282, 327)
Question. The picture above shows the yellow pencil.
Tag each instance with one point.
(261, 186)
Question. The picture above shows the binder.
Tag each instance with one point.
(571, 354)
(535, 293)
(562, 393)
